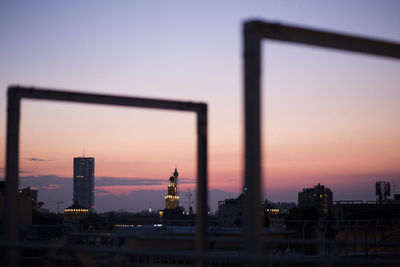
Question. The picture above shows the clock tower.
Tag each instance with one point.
(172, 199)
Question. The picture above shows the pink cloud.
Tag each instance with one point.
(124, 190)
(53, 186)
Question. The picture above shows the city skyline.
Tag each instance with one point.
(332, 121)
(54, 188)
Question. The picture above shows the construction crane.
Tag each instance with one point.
(189, 195)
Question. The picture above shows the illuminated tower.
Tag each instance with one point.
(84, 182)
(172, 199)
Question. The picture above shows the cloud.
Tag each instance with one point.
(113, 193)
(143, 199)
(52, 186)
(58, 182)
(44, 180)
(117, 181)
(37, 159)
(187, 181)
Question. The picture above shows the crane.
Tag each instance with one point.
(189, 195)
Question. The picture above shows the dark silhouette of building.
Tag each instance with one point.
(370, 210)
(30, 194)
(26, 203)
(382, 191)
(230, 211)
(84, 182)
(319, 197)
(381, 209)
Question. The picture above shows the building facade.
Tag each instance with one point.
(84, 182)
(319, 197)
(172, 198)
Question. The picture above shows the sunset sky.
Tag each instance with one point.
(328, 116)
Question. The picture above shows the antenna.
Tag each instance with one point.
(189, 195)
(83, 151)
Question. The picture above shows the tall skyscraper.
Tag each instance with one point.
(84, 182)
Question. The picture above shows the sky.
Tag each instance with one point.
(328, 116)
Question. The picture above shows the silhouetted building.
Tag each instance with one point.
(172, 198)
(30, 194)
(319, 197)
(84, 182)
(382, 191)
(26, 202)
(370, 210)
(230, 211)
(381, 209)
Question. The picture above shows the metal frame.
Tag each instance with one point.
(16, 94)
(253, 33)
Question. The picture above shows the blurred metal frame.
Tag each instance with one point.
(16, 94)
(253, 33)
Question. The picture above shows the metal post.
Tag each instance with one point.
(252, 237)
(346, 239)
(254, 32)
(303, 235)
(355, 236)
(366, 229)
(11, 205)
(201, 216)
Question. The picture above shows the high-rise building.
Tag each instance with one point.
(319, 197)
(84, 182)
(172, 199)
